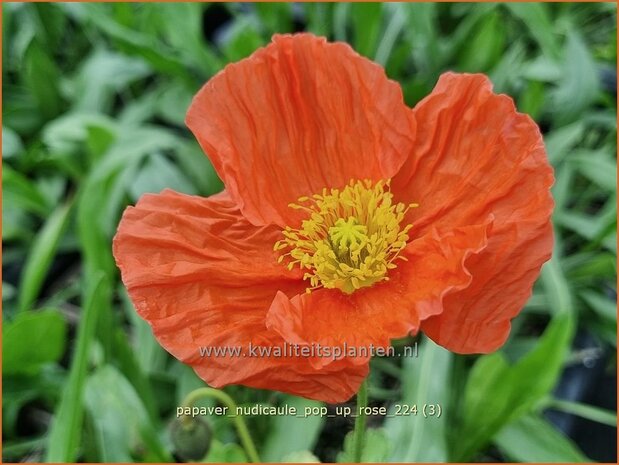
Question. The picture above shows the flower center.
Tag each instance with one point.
(350, 239)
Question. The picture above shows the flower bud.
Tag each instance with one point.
(192, 439)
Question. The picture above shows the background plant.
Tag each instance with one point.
(94, 98)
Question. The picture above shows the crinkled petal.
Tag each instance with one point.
(370, 317)
(299, 115)
(477, 319)
(202, 276)
(173, 236)
(477, 157)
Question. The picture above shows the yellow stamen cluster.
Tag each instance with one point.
(350, 239)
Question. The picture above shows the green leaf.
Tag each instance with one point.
(340, 20)
(486, 46)
(531, 439)
(17, 225)
(18, 390)
(225, 453)
(157, 54)
(157, 174)
(99, 140)
(188, 39)
(11, 143)
(589, 412)
(585, 266)
(98, 210)
(318, 18)
(41, 255)
(497, 393)
(599, 167)
(580, 85)
(125, 357)
(425, 380)
(187, 381)
(304, 456)
(13, 451)
(556, 286)
(22, 36)
(291, 434)
(241, 39)
(51, 24)
(67, 133)
(173, 103)
(31, 340)
(140, 109)
(366, 22)
(42, 77)
(595, 228)
(603, 306)
(101, 76)
(535, 16)
(275, 16)
(196, 166)
(562, 189)
(151, 357)
(542, 69)
(66, 428)
(21, 193)
(376, 447)
(396, 24)
(20, 110)
(421, 34)
(560, 141)
(532, 99)
(132, 145)
(503, 74)
(120, 419)
(8, 291)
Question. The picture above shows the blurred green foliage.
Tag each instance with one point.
(94, 98)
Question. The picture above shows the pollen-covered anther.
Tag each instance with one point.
(350, 237)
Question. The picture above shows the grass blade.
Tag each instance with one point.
(66, 429)
(599, 415)
(41, 256)
(533, 439)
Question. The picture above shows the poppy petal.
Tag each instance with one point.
(477, 319)
(187, 237)
(437, 266)
(295, 117)
(230, 324)
(477, 156)
(182, 258)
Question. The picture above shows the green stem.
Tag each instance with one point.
(225, 399)
(359, 434)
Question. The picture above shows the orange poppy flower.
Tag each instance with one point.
(347, 217)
